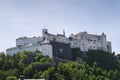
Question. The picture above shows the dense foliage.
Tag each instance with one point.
(104, 60)
(26, 63)
(77, 71)
(92, 65)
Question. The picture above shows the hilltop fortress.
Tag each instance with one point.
(50, 44)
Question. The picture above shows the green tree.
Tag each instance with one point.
(2, 75)
(29, 71)
(12, 72)
(38, 57)
(103, 59)
(59, 76)
(11, 78)
(49, 74)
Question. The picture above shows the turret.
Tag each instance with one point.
(103, 37)
(44, 31)
(104, 42)
(103, 34)
(64, 32)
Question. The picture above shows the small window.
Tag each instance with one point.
(90, 46)
(61, 50)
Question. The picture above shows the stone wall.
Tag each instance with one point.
(61, 50)
(25, 41)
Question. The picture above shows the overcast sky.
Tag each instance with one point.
(28, 17)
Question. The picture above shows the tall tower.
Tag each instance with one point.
(44, 34)
(64, 32)
(104, 42)
(44, 31)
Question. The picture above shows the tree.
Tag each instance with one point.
(11, 78)
(103, 59)
(29, 71)
(12, 72)
(2, 54)
(59, 76)
(49, 74)
(118, 56)
(38, 57)
(2, 75)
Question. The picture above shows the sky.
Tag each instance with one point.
(28, 17)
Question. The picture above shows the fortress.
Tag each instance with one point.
(50, 44)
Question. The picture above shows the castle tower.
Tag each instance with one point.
(64, 32)
(44, 31)
(104, 42)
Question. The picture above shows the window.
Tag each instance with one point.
(61, 50)
(90, 46)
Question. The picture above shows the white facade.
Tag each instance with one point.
(22, 41)
(12, 51)
(82, 40)
(46, 49)
(87, 42)
(58, 37)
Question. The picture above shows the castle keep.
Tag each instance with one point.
(50, 44)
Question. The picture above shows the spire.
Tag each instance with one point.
(103, 33)
(63, 32)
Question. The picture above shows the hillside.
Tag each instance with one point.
(92, 65)
(104, 60)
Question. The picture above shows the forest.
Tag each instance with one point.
(92, 65)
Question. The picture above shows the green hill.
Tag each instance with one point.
(91, 65)
(104, 60)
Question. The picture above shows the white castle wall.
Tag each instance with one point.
(31, 47)
(87, 42)
(81, 40)
(12, 51)
(46, 49)
(24, 41)
(75, 43)
(51, 37)
(56, 38)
